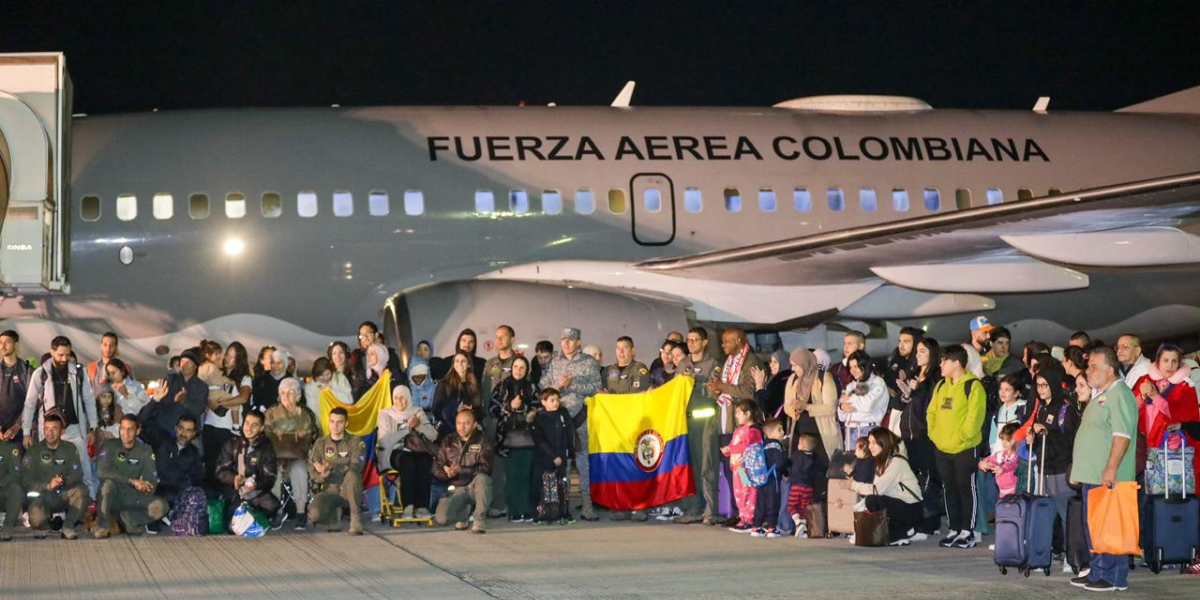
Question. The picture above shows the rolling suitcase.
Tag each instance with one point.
(1173, 529)
(1078, 554)
(1025, 528)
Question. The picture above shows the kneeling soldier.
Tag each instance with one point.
(128, 477)
(51, 469)
(335, 462)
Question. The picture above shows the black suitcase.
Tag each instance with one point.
(1173, 527)
(1024, 528)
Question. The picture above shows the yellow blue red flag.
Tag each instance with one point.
(638, 447)
(364, 415)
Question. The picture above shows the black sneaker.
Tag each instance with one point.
(965, 541)
(301, 522)
(948, 541)
(1103, 586)
(154, 528)
(1080, 581)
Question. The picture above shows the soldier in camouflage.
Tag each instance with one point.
(577, 376)
(51, 469)
(11, 492)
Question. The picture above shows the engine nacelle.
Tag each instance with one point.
(535, 311)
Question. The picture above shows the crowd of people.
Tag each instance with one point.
(928, 432)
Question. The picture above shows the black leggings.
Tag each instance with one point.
(902, 516)
(416, 473)
(958, 481)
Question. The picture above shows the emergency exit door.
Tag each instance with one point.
(652, 209)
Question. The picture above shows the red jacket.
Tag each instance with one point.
(1175, 402)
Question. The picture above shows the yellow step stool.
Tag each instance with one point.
(392, 512)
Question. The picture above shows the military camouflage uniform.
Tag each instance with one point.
(118, 466)
(343, 488)
(630, 379)
(40, 465)
(11, 492)
(585, 383)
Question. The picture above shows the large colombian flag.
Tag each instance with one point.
(638, 447)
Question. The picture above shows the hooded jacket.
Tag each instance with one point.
(1061, 420)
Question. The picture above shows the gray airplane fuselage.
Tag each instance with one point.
(302, 279)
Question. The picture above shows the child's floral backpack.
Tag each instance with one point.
(754, 465)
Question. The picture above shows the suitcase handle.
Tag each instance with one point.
(1041, 489)
(1167, 464)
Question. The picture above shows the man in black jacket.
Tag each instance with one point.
(183, 394)
(247, 469)
(180, 465)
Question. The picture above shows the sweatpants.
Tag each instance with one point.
(746, 497)
(958, 483)
(518, 472)
(766, 506)
(799, 497)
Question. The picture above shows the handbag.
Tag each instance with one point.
(871, 528)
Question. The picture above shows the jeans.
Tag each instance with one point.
(1105, 567)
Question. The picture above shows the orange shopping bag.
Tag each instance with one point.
(1113, 519)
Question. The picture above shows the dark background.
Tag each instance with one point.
(136, 56)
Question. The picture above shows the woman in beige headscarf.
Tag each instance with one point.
(811, 401)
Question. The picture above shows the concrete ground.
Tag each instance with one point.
(658, 561)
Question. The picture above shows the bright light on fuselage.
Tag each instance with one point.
(234, 246)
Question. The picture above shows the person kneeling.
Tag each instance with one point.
(247, 468)
(128, 477)
(464, 460)
(335, 462)
(51, 472)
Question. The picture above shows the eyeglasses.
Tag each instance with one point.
(1043, 384)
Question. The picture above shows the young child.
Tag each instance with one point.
(109, 413)
(863, 470)
(766, 510)
(1004, 462)
(748, 432)
(804, 470)
(554, 439)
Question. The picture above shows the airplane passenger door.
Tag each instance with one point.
(652, 209)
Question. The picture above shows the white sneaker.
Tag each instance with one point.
(992, 547)
(1067, 567)
(850, 538)
(802, 531)
(916, 536)
(423, 513)
(408, 512)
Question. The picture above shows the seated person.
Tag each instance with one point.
(407, 455)
(335, 463)
(11, 492)
(291, 427)
(51, 468)
(180, 466)
(247, 467)
(128, 478)
(464, 460)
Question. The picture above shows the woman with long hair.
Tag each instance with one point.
(895, 487)
(347, 379)
(459, 389)
(864, 401)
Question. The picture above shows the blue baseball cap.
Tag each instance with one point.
(981, 322)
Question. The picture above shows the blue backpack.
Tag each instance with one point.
(754, 465)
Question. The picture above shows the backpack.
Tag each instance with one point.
(189, 517)
(754, 465)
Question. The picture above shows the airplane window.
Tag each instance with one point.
(652, 198)
(126, 207)
(163, 206)
(378, 203)
(89, 208)
(900, 200)
(693, 202)
(866, 199)
(585, 202)
(235, 205)
(933, 199)
(1055, 191)
(306, 204)
(518, 201)
(1024, 194)
(343, 203)
(994, 196)
(414, 202)
(551, 202)
(616, 201)
(198, 206)
(485, 202)
(272, 205)
(802, 199)
(837, 200)
(962, 199)
(766, 200)
(733, 200)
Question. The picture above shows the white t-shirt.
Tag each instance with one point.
(226, 422)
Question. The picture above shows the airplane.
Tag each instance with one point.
(803, 219)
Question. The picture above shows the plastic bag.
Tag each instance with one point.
(1112, 519)
(244, 523)
(216, 516)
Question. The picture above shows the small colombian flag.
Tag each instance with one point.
(638, 447)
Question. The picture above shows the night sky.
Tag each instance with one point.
(126, 56)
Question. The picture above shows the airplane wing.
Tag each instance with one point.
(1026, 245)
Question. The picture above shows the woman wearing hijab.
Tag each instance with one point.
(514, 401)
(377, 363)
(769, 387)
(265, 393)
(406, 454)
(811, 402)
